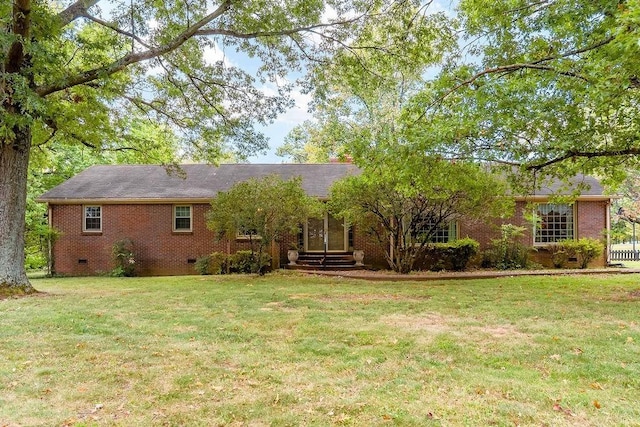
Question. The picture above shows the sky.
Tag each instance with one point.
(297, 114)
(278, 130)
(285, 122)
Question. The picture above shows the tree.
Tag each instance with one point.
(404, 203)
(359, 98)
(74, 71)
(263, 209)
(547, 85)
(51, 165)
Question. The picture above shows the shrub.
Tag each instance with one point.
(218, 263)
(249, 262)
(202, 265)
(35, 261)
(123, 258)
(240, 262)
(455, 255)
(585, 250)
(508, 252)
(559, 255)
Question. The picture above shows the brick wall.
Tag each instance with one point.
(160, 251)
(590, 218)
(157, 249)
(373, 253)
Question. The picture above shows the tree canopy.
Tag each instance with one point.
(546, 88)
(360, 97)
(403, 204)
(264, 210)
(78, 71)
(550, 85)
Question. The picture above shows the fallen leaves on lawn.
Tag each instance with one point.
(558, 408)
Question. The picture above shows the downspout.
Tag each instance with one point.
(49, 243)
(391, 245)
(608, 225)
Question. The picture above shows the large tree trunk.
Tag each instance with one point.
(14, 160)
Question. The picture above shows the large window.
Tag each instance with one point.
(554, 223)
(440, 233)
(92, 221)
(182, 218)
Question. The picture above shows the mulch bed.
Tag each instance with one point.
(473, 274)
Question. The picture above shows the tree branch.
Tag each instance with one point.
(133, 58)
(53, 125)
(141, 103)
(259, 34)
(75, 11)
(20, 28)
(529, 6)
(531, 65)
(117, 30)
(634, 151)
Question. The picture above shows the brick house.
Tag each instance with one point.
(164, 216)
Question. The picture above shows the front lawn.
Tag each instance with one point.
(294, 350)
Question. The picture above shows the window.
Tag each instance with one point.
(245, 233)
(92, 221)
(182, 218)
(442, 233)
(554, 223)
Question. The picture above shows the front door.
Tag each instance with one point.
(329, 228)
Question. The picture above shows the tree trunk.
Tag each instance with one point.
(14, 161)
(14, 158)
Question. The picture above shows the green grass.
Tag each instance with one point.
(294, 350)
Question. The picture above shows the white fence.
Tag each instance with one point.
(625, 255)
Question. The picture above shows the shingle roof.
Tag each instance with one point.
(202, 182)
(152, 183)
(589, 186)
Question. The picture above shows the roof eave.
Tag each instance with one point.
(135, 201)
(583, 197)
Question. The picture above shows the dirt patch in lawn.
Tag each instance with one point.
(8, 295)
(434, 324)
(362, 298)
(635, 294)
(624, 295)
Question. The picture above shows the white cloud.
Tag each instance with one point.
(300, 111)
(214, 54)
(446, 6)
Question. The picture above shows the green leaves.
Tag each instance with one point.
(359, 96)
(264, 209)
(550, 86)
(390, 200)
(95, 64)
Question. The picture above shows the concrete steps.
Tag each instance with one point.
(330, 261)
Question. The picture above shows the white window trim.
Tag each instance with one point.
(84, 219)
(535, 223)
(173, 219)
(240, 236)
(453, 230)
